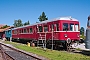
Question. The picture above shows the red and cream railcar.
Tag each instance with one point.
(62, 29)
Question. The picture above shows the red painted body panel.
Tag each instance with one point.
(58, 35)
(71, 35)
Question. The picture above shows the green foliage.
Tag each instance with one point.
(4, 27)
(26, 23)
(18, 23)
(82, 31)
(78, 49)
(82, 36)
(42, 17)
(51, 54)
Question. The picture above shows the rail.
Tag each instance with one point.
(4, 57)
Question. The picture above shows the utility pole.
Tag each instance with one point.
(11, 36)
(52, 38)
(45, 40)
(10, 39)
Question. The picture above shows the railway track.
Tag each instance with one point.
(4, 55)
(10, 53)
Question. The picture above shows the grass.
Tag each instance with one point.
(51, 55)
(82, 36)
(78, 49)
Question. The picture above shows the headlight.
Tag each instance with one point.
(68, 40)
(65, 35)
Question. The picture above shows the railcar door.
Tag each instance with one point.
(36, 32)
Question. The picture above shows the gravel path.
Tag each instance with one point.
(80, 46)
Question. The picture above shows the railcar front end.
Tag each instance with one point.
(69, 30)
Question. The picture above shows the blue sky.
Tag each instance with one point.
(25, 10)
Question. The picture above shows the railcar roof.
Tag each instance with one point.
(56, 19)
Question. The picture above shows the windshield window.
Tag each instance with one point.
(71, 27)
(76, 27)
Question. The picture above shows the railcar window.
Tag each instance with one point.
(31, 30)
(45, 28)
(22, 30)
(15, 32)
(25, 31)
(8, 31)
(71, 27)
(65, 26)
(76, 27)
(57, 27)
(40, 29)
(52, 27)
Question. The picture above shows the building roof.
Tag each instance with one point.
(1, 25)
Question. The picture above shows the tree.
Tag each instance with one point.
(82, 31)
(26, 23)
(15, 23)
(18, 23)
(42, 17)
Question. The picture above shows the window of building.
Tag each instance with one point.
(45, 28)
(40, 29)
(57, 27)
(8, 31)
(71, 27)
(76, 27)
(65, 26)
(30, 30)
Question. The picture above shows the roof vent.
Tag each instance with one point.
(70, 18)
